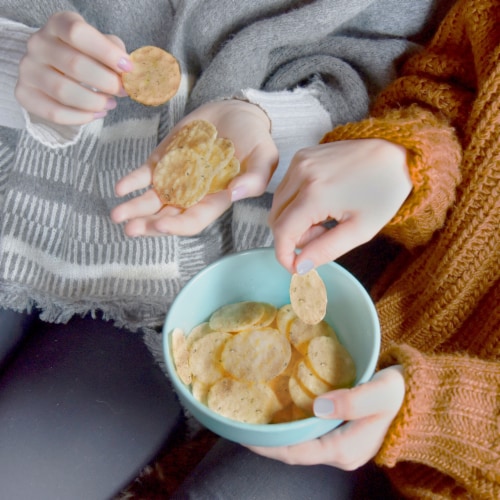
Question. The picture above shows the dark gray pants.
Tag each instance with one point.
(83, 408)
(230, 471)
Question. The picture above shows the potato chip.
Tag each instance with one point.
(300, 395)
(279, 385)
(331, 361)
(197, 332)
(246, 402)
(308, 296)
(284, 318)
(256, 355)
(182, 178)
(200, 390)
(198, 136)
(204, 357)
(256, 363)
(300, 333)
(180, 354)
(237, 316)
(225, 175)
(310, 381)
(155, 76)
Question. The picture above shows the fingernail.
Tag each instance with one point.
(323, 407)
(125, 64)
(238, 193)
(100, 114)
(110, 104)
(304, 266)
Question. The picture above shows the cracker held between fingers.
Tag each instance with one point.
(155, 76)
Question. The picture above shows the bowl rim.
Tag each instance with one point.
(185, 393)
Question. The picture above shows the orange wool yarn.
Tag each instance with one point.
(439, 305)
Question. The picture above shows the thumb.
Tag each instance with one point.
(383, 394)
(257, 170)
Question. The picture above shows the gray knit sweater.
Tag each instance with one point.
(309, 64)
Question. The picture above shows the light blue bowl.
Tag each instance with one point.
(257, 275)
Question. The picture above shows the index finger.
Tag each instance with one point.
(72, 29)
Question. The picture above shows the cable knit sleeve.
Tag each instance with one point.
(426, 111)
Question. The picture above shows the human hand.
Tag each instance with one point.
(368, 410)
(249, 129)
(71, 71)
(361, 184)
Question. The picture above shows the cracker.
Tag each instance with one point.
(204, 357)
(256, 355)
(237, 316)
(155, 76)
(180, 353)
(331, 361)
(182, 178)
(197, 135)
(242, 401)
(308, 296)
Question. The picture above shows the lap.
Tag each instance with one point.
(83, 407)
(232, 471)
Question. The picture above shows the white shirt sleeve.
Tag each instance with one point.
(298, 120)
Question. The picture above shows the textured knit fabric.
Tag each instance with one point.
(59, 250)
(439, 305)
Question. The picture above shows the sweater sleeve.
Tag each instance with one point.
(458, 437)
(426, 110)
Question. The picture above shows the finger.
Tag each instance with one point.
(44, 106)
(196, 218)
(257, 170)
(64, 90)
(332, 244)
(141, 206)
(383, 394)
(291, 227)
(140, 178)
(74, 31)
(77, 65)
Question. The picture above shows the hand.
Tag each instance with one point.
(249, 129)
(368, 409)
(71, 71)
(361, 184)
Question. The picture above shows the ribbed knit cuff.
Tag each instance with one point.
(298, 120)
(434, 156)
(449, 419)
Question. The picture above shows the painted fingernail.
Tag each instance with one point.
(323, 407)
(100, 114)
(238, 193)
(304, 266)
(125, 64)
(110, 104)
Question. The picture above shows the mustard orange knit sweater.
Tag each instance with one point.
(439, 303)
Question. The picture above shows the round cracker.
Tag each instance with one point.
(154, 78)
(237, 316)
(331, 361)
(256, 355)
(308, 296)
(204, 357)
(242, 401)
